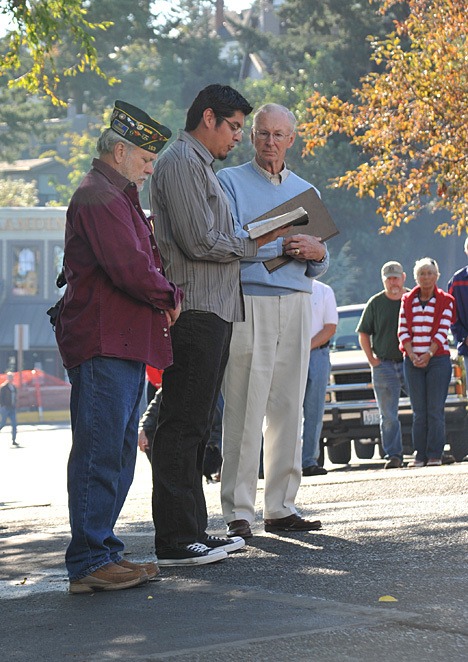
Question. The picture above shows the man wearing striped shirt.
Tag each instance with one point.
(200, 253)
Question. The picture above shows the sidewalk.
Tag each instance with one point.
(315, 596)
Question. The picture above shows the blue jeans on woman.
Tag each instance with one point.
(191, 385)
(428, 388)
(104, 406)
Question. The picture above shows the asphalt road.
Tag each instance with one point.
(385, 579)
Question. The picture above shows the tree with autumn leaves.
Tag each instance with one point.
(409, 119)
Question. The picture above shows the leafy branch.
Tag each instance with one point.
(32, 60)
(410, 122)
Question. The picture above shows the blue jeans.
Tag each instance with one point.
(428, 388)
(191, 385)
(388, 381)
(9, 413)
(314, 405)
(104, 406)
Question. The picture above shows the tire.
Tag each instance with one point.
(364, 451)
(340, 454)
(381, 451)
(458, 446)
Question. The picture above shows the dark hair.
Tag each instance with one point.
(222, 99)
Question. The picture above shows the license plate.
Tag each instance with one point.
(370, 417)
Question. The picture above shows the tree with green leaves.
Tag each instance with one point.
(18, 193)
(189, 53)
(127, 54)
(32, 58)
(81, 149)
(22, 124)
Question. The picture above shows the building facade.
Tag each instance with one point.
(31, 256)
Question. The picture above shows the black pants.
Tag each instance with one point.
(189, 394)
(213, 458)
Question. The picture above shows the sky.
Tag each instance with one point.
(233, 5)
(237, 5)
(3, 24)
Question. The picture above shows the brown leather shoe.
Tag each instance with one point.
(110, 577)
(239, 527)
(291, 523)
(151, 569)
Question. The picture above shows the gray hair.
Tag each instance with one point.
(275, 107)
(425, 263)
(108, 140)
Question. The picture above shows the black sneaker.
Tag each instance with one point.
(227, 544)
(194, 554)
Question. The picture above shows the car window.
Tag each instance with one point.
(346, 336)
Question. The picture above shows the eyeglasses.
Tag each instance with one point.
(236, 130)
(277, 137)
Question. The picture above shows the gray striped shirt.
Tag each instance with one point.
(194, 230)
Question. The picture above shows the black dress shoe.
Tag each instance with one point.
(448, 458)
(314, 470)
(239, 527)
(291, 523)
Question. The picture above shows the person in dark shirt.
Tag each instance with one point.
(8, 395)
(458, 288)
(114, 318)
(378, 337)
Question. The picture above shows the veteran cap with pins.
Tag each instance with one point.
(138, 127)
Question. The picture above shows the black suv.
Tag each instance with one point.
(351, 412)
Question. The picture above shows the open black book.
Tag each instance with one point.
(259, 228)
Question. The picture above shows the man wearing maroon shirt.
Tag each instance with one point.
(114, 318)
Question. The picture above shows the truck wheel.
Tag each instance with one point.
(341, 453)
(321, 458)
(458, 446)
(364, 451)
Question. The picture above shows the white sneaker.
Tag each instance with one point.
(194, 554)
(227, 544)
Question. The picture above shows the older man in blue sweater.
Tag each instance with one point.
(269, 354)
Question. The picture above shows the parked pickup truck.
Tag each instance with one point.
(351, 412)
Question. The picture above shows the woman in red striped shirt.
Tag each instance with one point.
(426, 314)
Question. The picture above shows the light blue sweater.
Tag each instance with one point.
(250, 195)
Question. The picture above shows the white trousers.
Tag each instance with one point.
(265, 379)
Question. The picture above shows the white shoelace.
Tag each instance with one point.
(216, 539)
(198, 548)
